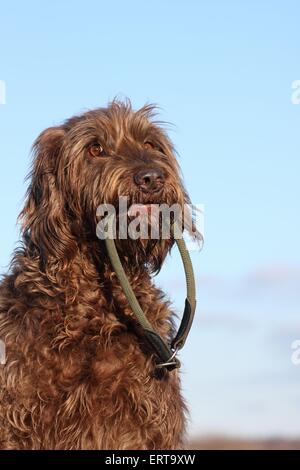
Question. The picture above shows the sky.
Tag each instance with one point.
(222, 73)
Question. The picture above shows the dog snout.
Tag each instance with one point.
(150, 180)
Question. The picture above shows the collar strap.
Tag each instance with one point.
(165, 353)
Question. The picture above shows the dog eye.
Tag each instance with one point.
(96, 150)
(149, 145)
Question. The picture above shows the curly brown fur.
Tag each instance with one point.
(78, 374)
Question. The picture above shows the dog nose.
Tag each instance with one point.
(150, 180)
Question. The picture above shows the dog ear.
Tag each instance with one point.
(45, 225)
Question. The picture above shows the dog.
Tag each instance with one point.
(77, 373)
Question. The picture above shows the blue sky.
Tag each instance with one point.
(222, 72)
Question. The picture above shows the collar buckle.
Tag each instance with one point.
(171, 363)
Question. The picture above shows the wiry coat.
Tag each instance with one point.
(78, 374)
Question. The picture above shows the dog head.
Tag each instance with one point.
(95, 159)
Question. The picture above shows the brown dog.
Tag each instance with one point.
(78, 374)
